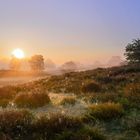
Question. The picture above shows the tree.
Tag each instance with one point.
(15, 63)
(69, 66)
(133, 52)
(37, 63)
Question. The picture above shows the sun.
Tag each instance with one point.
(18, 53)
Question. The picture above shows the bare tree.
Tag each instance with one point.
(37, 63)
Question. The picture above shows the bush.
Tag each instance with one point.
(91, 86)
(106, 111)
(68, 101)
(33, 99)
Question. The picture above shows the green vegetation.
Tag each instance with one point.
(133, 52)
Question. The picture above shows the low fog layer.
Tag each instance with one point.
(51, 67)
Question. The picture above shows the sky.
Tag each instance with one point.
(63, 30)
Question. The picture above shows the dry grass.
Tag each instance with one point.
(132, 93)
(33, 99)
(49, 126)
(106, 111)
(7, 92)
(15, 122)
(4, 103)
(91, 86)
(68, 101)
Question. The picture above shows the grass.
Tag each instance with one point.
(106, 111)
(68, 101)
(132, 94)
(7, 92)
(32, 99)
(90, 87)
(110, 98)
(84, 133)
(15, 123)
(4, 103)
(102, 97)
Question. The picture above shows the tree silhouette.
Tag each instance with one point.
(133, 52)
(69, 66)
(37, 63)
(15, 63)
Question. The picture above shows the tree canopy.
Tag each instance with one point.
(133, 52)
(15, 63)
(37, 63)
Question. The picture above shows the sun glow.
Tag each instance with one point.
(18, 53)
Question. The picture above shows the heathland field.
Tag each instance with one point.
(100, 104)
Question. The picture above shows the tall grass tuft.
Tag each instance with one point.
(33, 99)
(106, 111)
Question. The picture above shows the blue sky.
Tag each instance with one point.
(80, 30)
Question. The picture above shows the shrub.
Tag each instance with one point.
(68, 101)
(32, 100)
(91, 86)
(106, 111)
